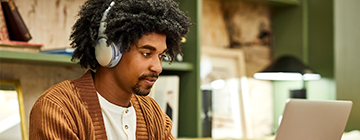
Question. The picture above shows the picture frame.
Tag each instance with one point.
(12, 89)
(228, 63)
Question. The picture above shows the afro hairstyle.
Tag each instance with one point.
(126, 22)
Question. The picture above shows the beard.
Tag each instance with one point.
(141, 92)
(137, 88)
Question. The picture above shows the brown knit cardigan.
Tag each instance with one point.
(70, 110)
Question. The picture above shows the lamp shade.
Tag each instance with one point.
(287, 68)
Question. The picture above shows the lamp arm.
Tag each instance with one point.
(303, 83)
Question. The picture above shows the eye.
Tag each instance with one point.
(146, 54)
(161, 56)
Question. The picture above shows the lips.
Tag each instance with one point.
(150, 80)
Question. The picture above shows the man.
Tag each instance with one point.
(123, 42)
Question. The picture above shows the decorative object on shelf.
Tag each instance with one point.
(16, 26)
(179, 57)
(183, 40)
(289, 68)
(19, 46)
(4, 34)
(61, 51)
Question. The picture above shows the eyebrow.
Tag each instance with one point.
(151, 48)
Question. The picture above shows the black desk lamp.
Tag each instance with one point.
(289, 68)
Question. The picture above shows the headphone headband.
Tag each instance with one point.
(106, 55)
(102, 27)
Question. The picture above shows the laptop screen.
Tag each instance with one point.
(313, 120)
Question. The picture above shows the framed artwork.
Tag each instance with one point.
(12, 117)
(223, 72)
(166, 93)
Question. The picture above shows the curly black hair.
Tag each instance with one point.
(127, 21)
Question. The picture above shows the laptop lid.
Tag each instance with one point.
(313, 120)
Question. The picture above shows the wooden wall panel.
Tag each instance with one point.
(246, 21)
(238, 24)
(49, 21)
(213, 27)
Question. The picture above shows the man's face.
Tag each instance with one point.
(138, 69)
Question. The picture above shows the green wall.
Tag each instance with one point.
(190, 95)
(288, 31)
(305, 31)
(321, 36)
(347, 56)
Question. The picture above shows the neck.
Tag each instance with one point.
(106, 85)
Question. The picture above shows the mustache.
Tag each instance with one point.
(153, 75)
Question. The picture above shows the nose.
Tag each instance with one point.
(156, 66)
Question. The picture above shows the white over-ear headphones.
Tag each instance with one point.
(106, 55)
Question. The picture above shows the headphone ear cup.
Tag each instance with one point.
(103, 53)
(107, 56)
(116, 55)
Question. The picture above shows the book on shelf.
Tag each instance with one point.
(61, 51)
(19, 46)
(4, 34)
(15, 25)
(165, 92)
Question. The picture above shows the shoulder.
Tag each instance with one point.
(57, 112)
(68, 95)
(59, 90)
(68, 90)
(52, 100)
(59, 96)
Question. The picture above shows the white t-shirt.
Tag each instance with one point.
(120, 122)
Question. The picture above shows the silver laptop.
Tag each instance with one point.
(313, 120)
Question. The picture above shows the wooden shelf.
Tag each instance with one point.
(64, 60)
(35, 58)
(177, 66)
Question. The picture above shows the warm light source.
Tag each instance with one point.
(218, 84)
(278, 76)
(286, 76)
(289, 68)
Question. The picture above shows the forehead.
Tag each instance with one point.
(156, 40)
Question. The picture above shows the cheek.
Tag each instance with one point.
(139, 64)
(133, 65)
(136, 69)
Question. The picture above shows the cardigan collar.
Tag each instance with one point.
(143, 105)
(86, 89)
